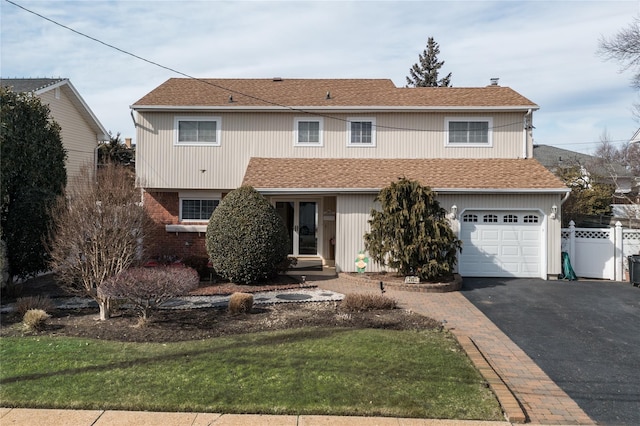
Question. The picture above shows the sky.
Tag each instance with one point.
(545, 50)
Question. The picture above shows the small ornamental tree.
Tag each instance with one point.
(411, 233)
(149, 288)
(246, 238)
(98, 232)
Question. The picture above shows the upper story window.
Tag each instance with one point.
(361, 132)
(200, 130)
(197, 209)
(308, 131)
(475, 131)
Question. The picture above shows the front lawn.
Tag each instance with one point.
(333, 371)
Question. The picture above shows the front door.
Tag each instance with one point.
(301, 220)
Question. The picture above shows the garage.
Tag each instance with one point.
(501, 244)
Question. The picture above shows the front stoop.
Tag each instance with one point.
(510, 405)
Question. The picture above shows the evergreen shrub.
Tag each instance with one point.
(246, 240)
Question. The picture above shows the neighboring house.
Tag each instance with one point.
(320, 150)
(80, 129)
(620, 177)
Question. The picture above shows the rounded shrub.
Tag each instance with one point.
(240, 303)
(246, 238)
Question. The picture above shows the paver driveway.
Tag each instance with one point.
(584, 334)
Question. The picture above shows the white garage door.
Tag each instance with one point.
(501, 244)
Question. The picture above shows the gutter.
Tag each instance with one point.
(345, 108)
(303, 191)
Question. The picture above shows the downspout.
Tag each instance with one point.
(527, 127)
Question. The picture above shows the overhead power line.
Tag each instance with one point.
(210, 83)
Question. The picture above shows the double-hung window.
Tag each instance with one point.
(476, 131)
(198, 130)
(197, 209)
(308, 131)
(361, 132)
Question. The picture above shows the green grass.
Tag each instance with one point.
(302, 371)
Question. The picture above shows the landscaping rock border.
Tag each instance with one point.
(445, 287)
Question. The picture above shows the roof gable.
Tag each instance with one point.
(39, 86)
(374, 174)
(24, 85)
(324, 93)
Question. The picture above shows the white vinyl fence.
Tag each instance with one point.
(600, 252)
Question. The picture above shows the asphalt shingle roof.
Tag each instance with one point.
(25, 85)
(325, 93)
(374, 174)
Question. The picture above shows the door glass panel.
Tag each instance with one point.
(308, 220)
(286, 209)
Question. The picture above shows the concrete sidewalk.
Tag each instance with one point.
(22, 416)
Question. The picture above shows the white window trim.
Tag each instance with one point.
(190, 195)
(372, 144)
(489, 143)
(320, 135)
(179, 118)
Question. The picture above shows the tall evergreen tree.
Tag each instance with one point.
(411, 233)
(33, 176)
(425, 72)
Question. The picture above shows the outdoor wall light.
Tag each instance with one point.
(454, 212)
(554, 211)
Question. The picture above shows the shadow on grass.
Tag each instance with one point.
(267, 340)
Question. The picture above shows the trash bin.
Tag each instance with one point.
(634, 269)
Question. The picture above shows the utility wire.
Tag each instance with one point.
(175, 71)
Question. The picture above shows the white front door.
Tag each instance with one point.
(501, 244)
(301, 219)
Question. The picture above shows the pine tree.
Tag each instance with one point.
(425, 72)
(411, 233)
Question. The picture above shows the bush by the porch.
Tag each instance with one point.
(411, 233)
(246, 238)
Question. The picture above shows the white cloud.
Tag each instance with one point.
(545, 50)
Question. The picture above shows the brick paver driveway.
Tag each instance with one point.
(585, 335)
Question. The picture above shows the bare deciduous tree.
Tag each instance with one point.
(622, 166)
(149, 288)
(98, 231)
(624, 48)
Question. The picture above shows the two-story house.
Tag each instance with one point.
(321, 149)
(80, 129)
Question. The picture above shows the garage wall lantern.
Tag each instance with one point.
(453, 212)
(554, 211)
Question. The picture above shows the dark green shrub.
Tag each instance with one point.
(246, 238)
(411, 232)
(367, 302)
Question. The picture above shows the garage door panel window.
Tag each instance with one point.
(473, 218)
(531, 218)
(510, 218)
(490, 218)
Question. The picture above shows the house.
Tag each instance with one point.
(321, 149)
(81, 131)
(593, 170)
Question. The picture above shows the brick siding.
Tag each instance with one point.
(164, 209)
